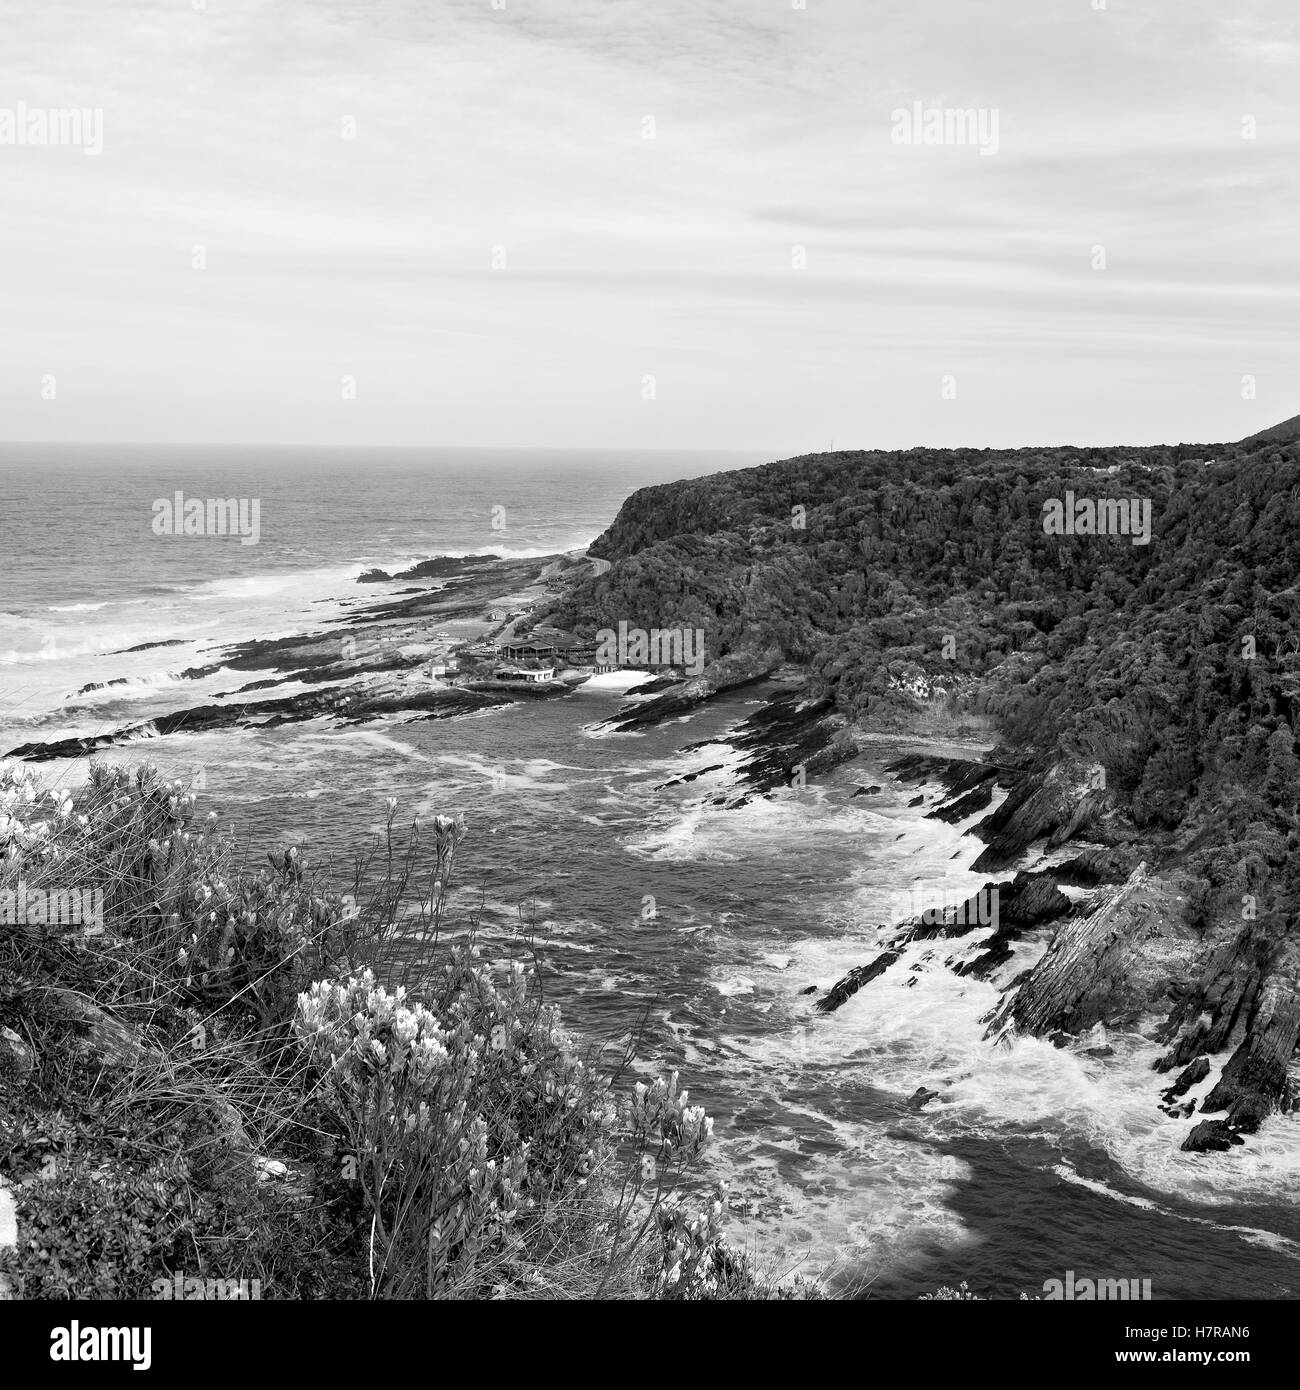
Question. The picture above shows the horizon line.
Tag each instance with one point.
(624, 448)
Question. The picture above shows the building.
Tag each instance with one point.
(524, 673)
(543, 644)
(527, 649)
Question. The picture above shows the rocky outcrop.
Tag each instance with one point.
(1210, 1136)
(846, 988)
(1030, 900)
(1081, 979)
(353, 705)
(1248, 999)
(1190, 1076)
(1027, 901)
(1055, 805)
(684, 696)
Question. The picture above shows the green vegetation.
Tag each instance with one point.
(242, 1076)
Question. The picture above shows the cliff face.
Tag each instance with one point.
(1145, 690)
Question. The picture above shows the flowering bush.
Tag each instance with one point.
(472, 1121)
(457, 1119)
(490, 1154)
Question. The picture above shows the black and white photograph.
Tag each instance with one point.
(650, 653)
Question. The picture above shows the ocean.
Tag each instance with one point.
(646, 899)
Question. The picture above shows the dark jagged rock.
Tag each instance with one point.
(445, 566)
(846, 988)
(440, 703)
(1254, 1081)
(811, 989)
(1187, 1078)
(789, 740)
(1029, 900)
(1210, 1136)
(917, 801)
(920, 1098)
(865, 791)
(654, 686)
(1092, 867)
(956, 776)
(966, 805)
(375, 577)
(1078, 981)
(1226, 992)
(1055, 805)
(683, 696)
(101, 685)
(690, 776)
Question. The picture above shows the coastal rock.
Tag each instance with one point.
(1030, 900)
(1187, 1078)
(1082, 978)
(683, 696)
(1246, 999)
(968, 785)
(788, 741)
(920, 1098)
(1255, 1080)
(1056, 804)
(1093, 867)
(866, 791)
(966, 805)
(1210, 1136)
(846, 988)
(374, 577)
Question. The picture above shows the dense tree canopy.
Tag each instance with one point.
(1175, 663)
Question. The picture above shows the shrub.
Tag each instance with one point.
(218, 1014)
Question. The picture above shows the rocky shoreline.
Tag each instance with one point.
(1124, 956)
(1127, 953)
(358, 668)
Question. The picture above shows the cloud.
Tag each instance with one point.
(474, 197)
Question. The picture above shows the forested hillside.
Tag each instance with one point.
(1173, 665)
(1165, 661)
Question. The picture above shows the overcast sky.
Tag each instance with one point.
(651, 292)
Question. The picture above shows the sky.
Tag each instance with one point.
(651, 223)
